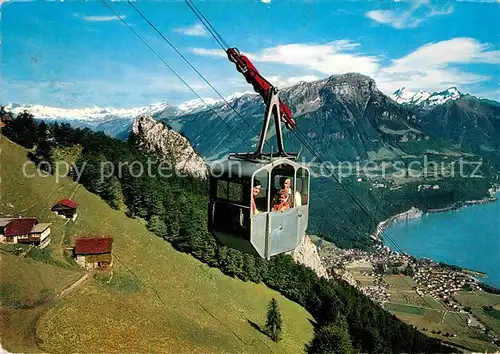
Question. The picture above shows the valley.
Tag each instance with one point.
(386, 160)
(442, 301)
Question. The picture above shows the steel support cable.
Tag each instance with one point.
(297, 133)
(202, 126)
(166, 64)
(231, 107)
(208, 25)
(336, 212)
(309, 148)
(192, 67)
(390, 240)
(187, 61)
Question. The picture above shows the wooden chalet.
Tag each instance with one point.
(94, 252)
(3, 224)
(25, 230)
(40, 234)
(66, 208)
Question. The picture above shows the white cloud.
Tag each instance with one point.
(194, 30)
(266, 1)
(453, 51)
(102, 18)
(287, 81)
(127, 86)
(209, 52)
(492, 95)
(433, 66)
(331, 58)
(407, 19)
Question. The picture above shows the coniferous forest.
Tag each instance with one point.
(175, 209)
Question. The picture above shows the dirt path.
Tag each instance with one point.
(74, 285)
(74, 191)
(444, 315)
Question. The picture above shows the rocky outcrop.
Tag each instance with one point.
(307, 254)
(155, 137)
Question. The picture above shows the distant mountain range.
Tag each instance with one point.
(115, 122)
(345, 116)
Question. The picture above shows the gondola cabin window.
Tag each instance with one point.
(260, 193)
(235, 192)
(302, 185)
(230, 191)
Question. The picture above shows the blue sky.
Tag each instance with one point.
(78, 54)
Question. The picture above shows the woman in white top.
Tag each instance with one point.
(285, 184)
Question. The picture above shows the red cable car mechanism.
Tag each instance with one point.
(260, 85)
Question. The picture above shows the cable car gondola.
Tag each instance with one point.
(259, 202)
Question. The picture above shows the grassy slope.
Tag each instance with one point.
(28, 289)
(159, 300)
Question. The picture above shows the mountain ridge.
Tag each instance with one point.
(424, 98)
(118, 122)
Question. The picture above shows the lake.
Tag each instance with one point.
(468, 237)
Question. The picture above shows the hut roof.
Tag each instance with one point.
(93, 245)
(20, 227)
(67, 202)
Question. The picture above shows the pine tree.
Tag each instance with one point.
(273, 323)
(332, 338)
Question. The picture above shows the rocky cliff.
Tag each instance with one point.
(307, 254)
(155, 137)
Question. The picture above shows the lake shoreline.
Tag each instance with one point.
(415, 213)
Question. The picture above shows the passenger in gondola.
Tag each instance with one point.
(255, 192)
(282, 204)
(285, 184)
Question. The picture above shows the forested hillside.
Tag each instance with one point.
(175, 209)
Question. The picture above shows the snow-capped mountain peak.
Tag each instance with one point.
(192, 106)
(403, 95)
(424, 98)
(441, 97)
(94, 113)
(114, 121)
